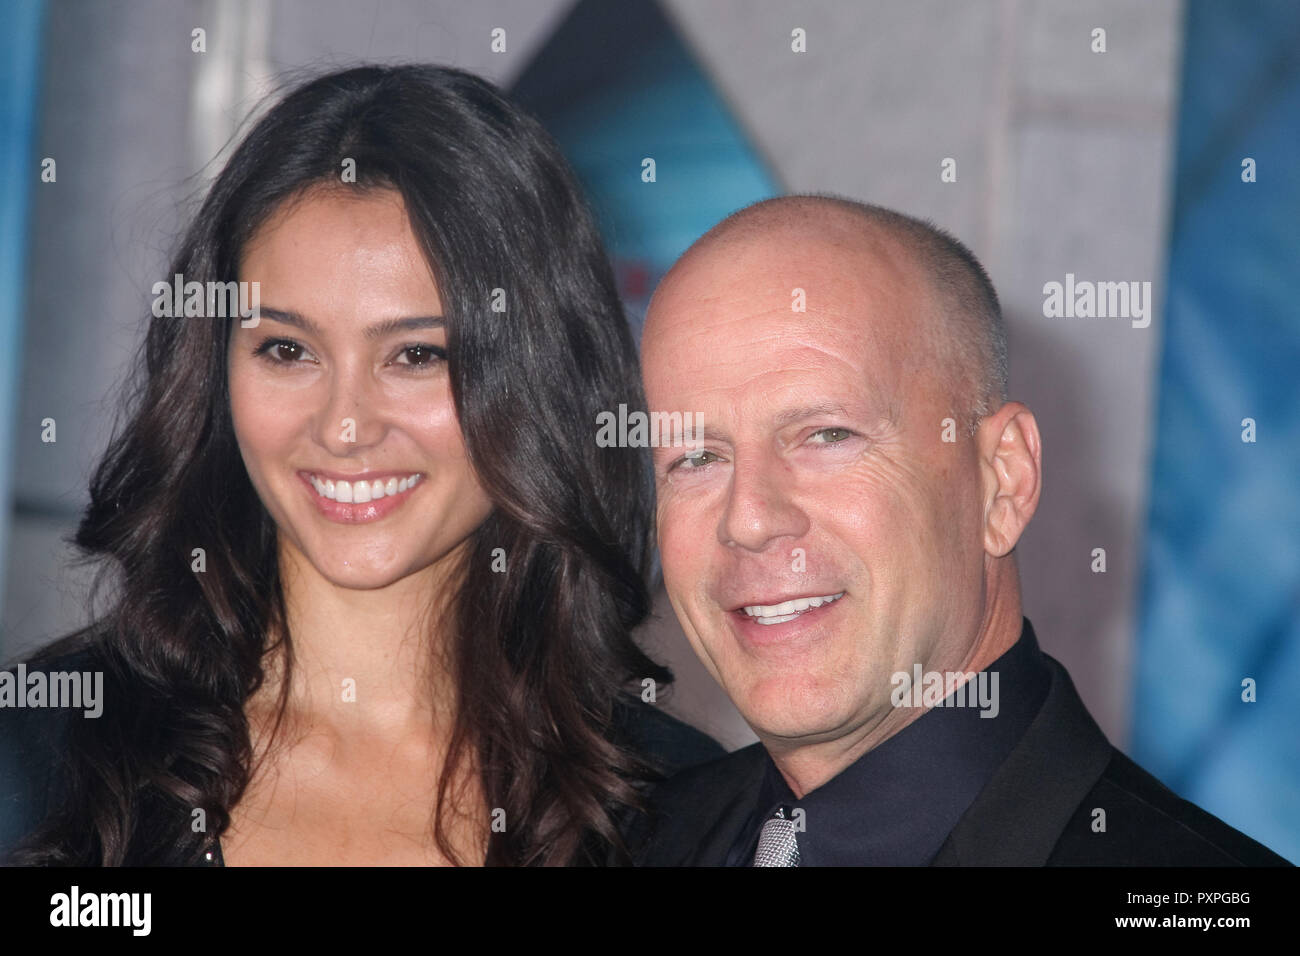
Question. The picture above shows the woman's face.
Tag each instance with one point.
(340, 395)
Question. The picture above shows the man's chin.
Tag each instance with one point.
(794, 711)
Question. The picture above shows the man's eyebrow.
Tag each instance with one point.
(376, 331)
(792, 415)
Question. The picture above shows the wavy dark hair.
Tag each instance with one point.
(541, 655)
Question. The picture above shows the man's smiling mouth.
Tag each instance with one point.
(787, 610)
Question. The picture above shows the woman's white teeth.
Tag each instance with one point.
(360, 492)
(787, 610)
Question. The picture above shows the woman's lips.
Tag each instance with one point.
(361, 499)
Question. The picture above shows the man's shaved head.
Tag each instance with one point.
(966, 331)
(829, 527)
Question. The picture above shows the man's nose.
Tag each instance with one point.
(760, 505)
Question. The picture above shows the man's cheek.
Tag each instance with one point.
(680, 548)
(682, 577)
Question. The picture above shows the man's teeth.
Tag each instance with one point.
(359, 492)
(787, 610)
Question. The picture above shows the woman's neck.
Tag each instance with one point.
(372, 660)
(357, 757)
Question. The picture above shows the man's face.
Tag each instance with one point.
(822, 479)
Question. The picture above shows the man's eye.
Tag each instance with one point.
(830, 436)
(696, 459)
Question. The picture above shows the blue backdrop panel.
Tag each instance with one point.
(1221, 594)
(616, 85)
(20, 58)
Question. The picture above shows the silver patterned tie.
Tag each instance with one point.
(777, 845)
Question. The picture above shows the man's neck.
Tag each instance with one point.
(807, 766)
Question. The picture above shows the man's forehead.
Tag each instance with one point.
(725, 307)
(791, 269)
(772, 377)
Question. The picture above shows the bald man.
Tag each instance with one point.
(838, 545)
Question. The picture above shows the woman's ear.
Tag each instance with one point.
(1011, 463)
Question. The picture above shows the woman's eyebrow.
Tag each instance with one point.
(409, 324)
(376, 331)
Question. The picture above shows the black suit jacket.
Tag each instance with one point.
(1037, 810)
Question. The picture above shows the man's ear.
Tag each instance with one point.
(1011, 463)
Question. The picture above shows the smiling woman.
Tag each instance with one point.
(343, 388)
(375, 578)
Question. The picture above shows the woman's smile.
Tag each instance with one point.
(365, 497)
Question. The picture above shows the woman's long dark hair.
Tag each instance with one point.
(541, 653)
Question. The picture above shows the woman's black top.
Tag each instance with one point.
(33, 754)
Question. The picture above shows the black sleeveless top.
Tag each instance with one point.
(33, 756)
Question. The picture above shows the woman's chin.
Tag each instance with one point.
(360, 577)
(358, 571)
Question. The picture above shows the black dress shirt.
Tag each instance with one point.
(897, 803)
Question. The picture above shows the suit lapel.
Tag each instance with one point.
(1020, 814)
(701, 817)
(716, 842)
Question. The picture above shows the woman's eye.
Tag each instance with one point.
(830, 436)
(282, 351)
(289, 352)
(420, 356)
